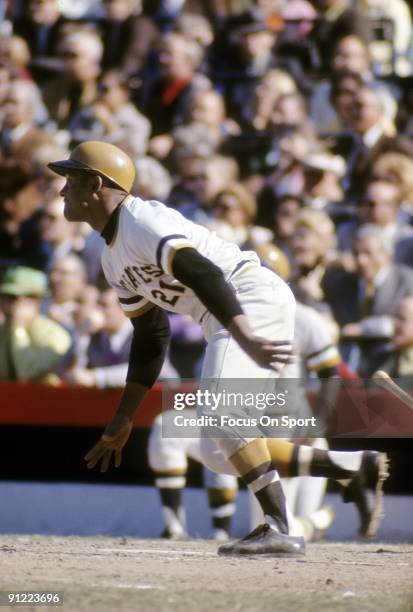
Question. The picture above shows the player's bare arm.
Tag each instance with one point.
(208, 283)
(147, 354)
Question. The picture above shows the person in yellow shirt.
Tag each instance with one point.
(32, 346)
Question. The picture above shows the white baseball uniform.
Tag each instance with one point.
(137, 264)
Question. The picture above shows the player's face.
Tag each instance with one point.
(75, 194)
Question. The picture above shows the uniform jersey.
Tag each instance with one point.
(137, 263)
(312, 342)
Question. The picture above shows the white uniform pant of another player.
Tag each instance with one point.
(172, 454)
(270, 307)
(304, 494)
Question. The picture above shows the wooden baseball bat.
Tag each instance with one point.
(383, 380)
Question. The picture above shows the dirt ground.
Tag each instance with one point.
(146, 575)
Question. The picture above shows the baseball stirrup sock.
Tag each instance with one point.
(170, 490)
(222, 504)
(265, 483)
(339, 465)
(281, 452)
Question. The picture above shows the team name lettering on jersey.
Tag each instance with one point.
(133, 276)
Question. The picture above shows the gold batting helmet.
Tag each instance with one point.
(272, 257)
(100, 158)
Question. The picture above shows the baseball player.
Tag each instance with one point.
(315, 353)
(157, 260)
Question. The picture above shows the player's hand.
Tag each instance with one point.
(269, 354)
(112, 441)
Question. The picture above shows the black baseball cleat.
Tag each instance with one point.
(265, 541)
(366, 491)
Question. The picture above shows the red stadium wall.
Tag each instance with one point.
(359, 412)
(35, 404)
(45, 432)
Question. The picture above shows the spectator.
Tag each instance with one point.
(188, 191)
(108, 349)
(41, 27)
(280, 215)
(31, 346)
(219, 172)
(312, 248)
(206, 124)
(208, 109)
(344, 87)
(81, 52)
(322, 175)
(47, 182)
(112, 117)
(87, 320)
(397, 166)
(20, 201)
(105, 360)
(395, 358)
(369, 133)
(234, 210)
(195, 27)
(290, 111)
(56, 232)
(350, 55)
(152, 181)
(127, 36)
(20, 138)
(336, 19)
(67, 282)
(15, 52)
(253, 44)
(272, 85)
(165, 97)
(294, 43)
(380, 206)
(290, 149)
(364, 302)
(276, 105)
(88, 246)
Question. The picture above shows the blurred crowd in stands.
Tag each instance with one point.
(282, 123)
